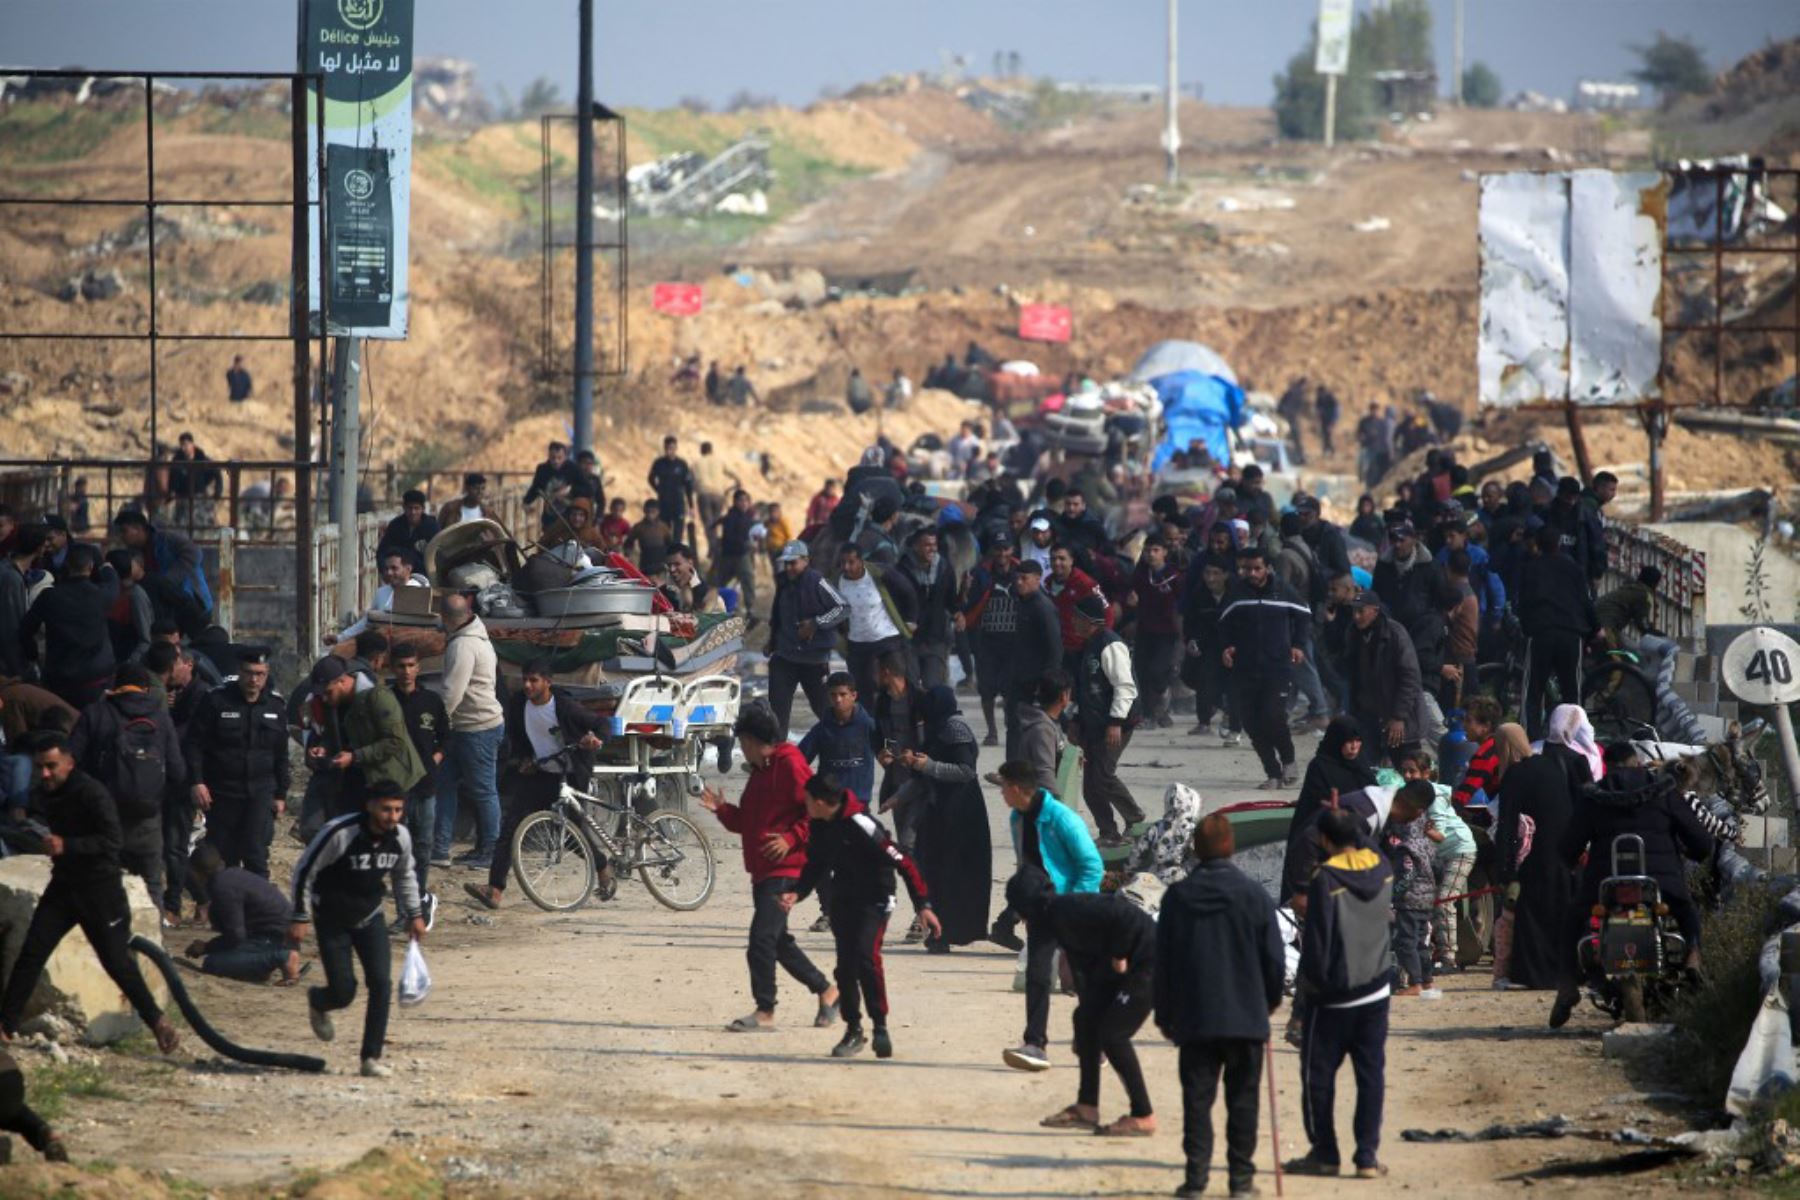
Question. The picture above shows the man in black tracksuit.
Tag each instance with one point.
(86, 889)
(803, 622)
(1110, 944)
(549, 738)
(1556, 611)
(237, 745)
(850, 847)
(1263, 628)
(1220, 966)
(340, 883)
(133, 720)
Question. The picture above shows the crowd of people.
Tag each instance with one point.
(131, 719)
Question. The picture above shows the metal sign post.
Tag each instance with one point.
(1762, 667)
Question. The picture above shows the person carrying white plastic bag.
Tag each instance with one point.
(340, 885)
(415, 977)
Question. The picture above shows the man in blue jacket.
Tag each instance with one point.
(1346, 978)
(1220, 966)
(1048, 836)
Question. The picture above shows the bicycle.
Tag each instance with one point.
(556, 851)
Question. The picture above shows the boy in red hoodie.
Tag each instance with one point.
(771, 818)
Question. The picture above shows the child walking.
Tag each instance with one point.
(1454, 860)
(1415, 888)
(852, 848)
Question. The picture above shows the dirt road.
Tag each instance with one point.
(584, 1055)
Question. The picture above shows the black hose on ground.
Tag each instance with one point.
(209, 1035)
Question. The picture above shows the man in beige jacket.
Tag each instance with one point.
(477, 728)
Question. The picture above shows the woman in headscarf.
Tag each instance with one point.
(1166, 849)
(1334, 768)
(953, 850)
(1569, 740)
(1537, 795)
(1511, 746)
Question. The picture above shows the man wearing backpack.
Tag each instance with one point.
(127, 741)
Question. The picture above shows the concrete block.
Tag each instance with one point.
(1629, 1041)
(74, 991)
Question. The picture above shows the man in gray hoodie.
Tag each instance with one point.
(477, 729)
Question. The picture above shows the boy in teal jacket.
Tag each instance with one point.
(1050, 837)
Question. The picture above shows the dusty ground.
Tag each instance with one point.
(583, 1055)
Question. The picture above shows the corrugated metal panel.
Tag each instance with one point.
(1571, 286)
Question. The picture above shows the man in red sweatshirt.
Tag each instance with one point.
(771, 818)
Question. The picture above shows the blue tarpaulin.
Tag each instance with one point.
(1197, 406)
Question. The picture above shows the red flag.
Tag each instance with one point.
(1045, 323)
(676, 299)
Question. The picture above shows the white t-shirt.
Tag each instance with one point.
(472, 514)
(545, 735)
(869, 620)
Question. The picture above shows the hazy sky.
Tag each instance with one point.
(651, 52)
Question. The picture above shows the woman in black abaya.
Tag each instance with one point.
(953, 850)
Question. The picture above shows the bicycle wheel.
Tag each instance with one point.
(552, 862)
(675, 860)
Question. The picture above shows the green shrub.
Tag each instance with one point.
(1713, 1020)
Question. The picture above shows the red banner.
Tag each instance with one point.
(677, 299)
(1045, 323)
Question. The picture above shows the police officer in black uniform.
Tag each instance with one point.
(238, 747)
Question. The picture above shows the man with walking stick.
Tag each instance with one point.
(1219, 972)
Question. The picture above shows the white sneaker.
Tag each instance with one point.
(1026, 1057)
(430, 904)
(321, 1024)
(1431, 993)
(374, 1068)
(1232, 739)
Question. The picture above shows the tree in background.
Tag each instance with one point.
(1396, 37)
(541, 96)
(1480, 86)
(1673, 66)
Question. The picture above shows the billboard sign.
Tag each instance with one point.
(1571, 287)
(363, 49)
(1332, 56)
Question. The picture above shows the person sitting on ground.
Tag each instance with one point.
(1110, 944)
(251, 918)
(771, 819)
(852, 848)
(1165, 849)
(1415, 888)
(1220, 967)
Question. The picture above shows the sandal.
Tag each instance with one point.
(1069, 1118)
(828, 1016)
(749, 1024)
(1124, 1127)
(479, 892)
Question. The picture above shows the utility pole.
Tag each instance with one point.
(1171, 133)
(584, 236)
(1330, 110)
(1456, 52)
(346, 436)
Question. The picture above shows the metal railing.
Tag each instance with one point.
(1678, 606)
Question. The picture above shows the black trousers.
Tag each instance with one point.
(1241, 1062)
(933, 659)
(369, 943)
(1111, 1008)
(861, 658)
(177, 832)
(525, 794)
(1262, 706)
(1040, 979)
(861, 977)
(784, 676)
(142, 854)
(1332, 1034)
(771, 944)
(97, 905)
(242, 828)
(1153, 660)
(1102, 789)
(16, 1116)
(1557, 654)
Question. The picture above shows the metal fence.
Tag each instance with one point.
(1678, 607)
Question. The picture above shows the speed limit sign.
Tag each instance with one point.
(1762, 666)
